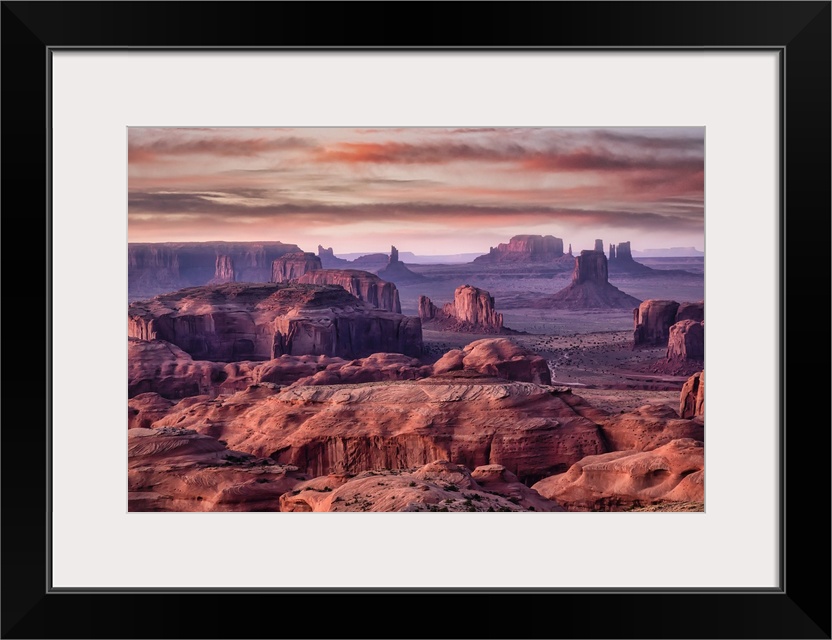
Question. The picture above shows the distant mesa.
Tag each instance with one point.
(154, 268)
(329, 260)
(472, 311)
(371, 262)
(526, 248)
(590, 287)
(293, 265)
(621, 261)
(395, 271)
(364, 285)
(652, 320)
(236, 321)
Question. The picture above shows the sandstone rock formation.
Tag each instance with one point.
(223, 271)
(691, 311)
(396, 271)
(378, 367)
(692, 399)
(498, 357)
(329, 260)
(363, 285)
(526, 248)
(173, 469)
(293, 265)
(471, 311)
(163, 368)
(154, 268)
(621, 479)
(599, 246)
(235, 321)
(439, 486)
(532, 430)
(146, 408)
(652, 320)
(590, 287)
(648, 427)
(686, 341)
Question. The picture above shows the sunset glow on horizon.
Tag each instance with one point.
(427, 191)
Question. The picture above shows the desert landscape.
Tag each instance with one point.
(539, 373)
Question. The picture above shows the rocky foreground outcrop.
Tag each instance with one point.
(686, 341)
(236, 321)
(534, 431)
(173, 469)
(692, 400)
(364, 285)
(619, 480)
(590, 287)
(293, 265)
(154, 268)
(525, 248)
(472, 311)
(497, 357)
(436, 487)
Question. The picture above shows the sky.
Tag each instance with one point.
(428, 191)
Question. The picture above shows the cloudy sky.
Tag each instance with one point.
(429, 191)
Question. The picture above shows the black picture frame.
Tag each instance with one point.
(799, 31)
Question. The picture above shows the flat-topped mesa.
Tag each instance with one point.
(329, 260)
(525, 248)
(364, 285)
(471, 311)
(396, 271)
(652, 320)
(623, 251)
(599, 246)
(236, 321)
(293, 265)
(589, 289)
(154, 268)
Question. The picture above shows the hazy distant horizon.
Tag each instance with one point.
(427, 191)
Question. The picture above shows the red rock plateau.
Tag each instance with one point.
(526, 248)
(236, 321)
(364, 285)
(589, 289)
(154, 268)
(437, 486)
(673, 472)
(497, 357)
(472, 311)
(293, 265)
(532, 430)
(692, 401)
(397, 272)
(652, 319)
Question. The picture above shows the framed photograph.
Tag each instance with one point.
(444, 289)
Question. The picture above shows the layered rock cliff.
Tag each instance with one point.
(237, 321)
(293, 265)
(363, 285)
(154, 268)
(652, 319)
(525, 248)
(692, 398)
